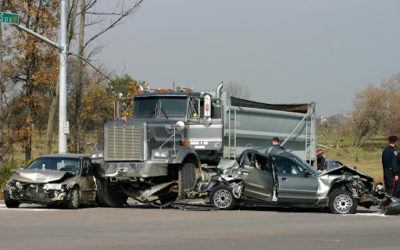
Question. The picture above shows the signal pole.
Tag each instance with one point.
(63, 125)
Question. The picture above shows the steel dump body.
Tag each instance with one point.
(250, 124)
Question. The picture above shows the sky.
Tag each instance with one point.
(284, 51)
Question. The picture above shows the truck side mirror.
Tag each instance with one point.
(207, 109)
(207, 106)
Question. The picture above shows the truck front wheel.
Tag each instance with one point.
(109, 195)
(186, 178)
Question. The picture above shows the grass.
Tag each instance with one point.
(367, 159)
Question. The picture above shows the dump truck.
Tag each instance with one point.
(176, 135)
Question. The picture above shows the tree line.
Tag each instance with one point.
(375, 112)
(29, 73)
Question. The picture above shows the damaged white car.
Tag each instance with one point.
(282, 179)
(60, 180)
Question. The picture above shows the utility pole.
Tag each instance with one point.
(63, 125)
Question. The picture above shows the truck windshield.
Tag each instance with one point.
(165, 107)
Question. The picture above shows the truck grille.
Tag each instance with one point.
(123, 144)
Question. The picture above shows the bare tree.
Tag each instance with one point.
(83, 13)
(370, 107)
(238, 90)
(333, 129)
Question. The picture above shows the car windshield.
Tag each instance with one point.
(56, 163)
(161, 107)
(309, 167)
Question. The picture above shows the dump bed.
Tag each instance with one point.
(249, 124)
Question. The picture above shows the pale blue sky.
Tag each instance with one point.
(285, 51)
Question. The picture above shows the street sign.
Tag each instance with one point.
(9, 18)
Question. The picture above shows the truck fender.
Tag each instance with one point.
(186, 154)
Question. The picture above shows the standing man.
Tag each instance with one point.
(275, 146)
(390, 167)
(276, 143)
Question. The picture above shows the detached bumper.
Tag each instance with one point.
(123, 170)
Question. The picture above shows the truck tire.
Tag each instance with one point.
(10, 203)
(100, 192)
(222, 197)
(109, 195)
(75, 200)
(342, 202)
(186, 178)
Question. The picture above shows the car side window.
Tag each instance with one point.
(256, 161)
(287, 166)
(87, 166)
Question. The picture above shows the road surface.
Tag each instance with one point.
(139, 227)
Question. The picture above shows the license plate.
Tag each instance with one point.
(52, 186)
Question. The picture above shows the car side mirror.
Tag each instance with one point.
(307, 172)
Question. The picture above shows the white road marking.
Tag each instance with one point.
(24, 209)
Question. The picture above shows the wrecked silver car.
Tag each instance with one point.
(60, 180)
(282, 179)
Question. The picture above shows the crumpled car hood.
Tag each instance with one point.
(343, 169)
(39, 176)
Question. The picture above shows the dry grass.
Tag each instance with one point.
(367, 159)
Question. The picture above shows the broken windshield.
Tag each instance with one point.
(164, 107)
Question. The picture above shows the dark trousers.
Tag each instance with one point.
(390, 184)
(396, 189)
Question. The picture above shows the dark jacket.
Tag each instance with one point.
(389, 163)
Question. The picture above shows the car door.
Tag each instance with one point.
(88, 185)
(257, 176)
(296, 184)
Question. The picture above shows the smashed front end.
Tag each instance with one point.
(361, 187)
(35, 186)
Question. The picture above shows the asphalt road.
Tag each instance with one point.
(138, 227)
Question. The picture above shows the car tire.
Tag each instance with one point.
(74, 199)
(109, 195)
(342, 202)
(186, 178)
(10, 203)
(222, 197)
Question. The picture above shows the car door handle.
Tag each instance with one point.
(283, 178)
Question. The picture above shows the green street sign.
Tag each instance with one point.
(9, 18)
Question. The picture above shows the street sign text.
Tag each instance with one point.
(9, 18)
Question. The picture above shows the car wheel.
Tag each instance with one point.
(10, 203)
(342, 202)
(74, 201)
(186, 178)
(109, 195)
(222, 197)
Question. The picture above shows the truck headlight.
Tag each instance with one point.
(97, 155)
(160, 153)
